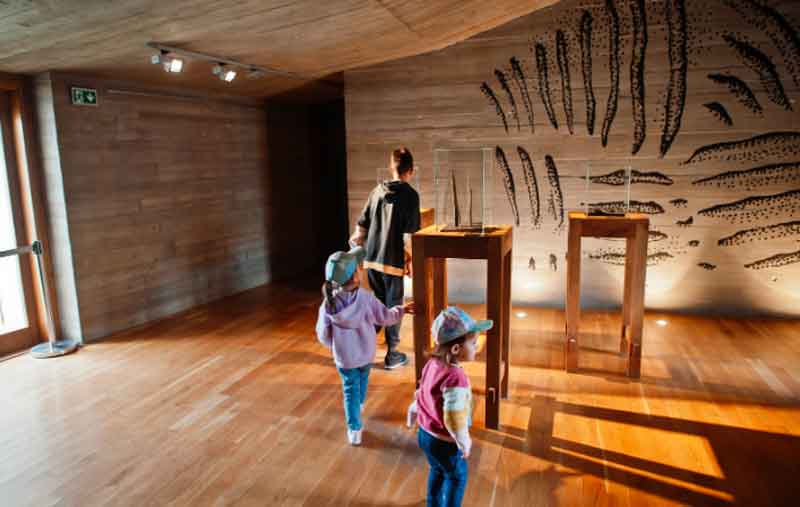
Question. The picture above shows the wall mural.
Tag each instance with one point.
(556, 199)
(489, 94)
(714, 153)
(585, 37)
(531, 184)
(613, 69)
(522, 87)
(544, 83)
(763, 66)
(618, 177)
(750, 179)
(566, 85)
(719, 111)
(771, 144)
(756, 148)
(639, 21)
(740, 90)
(675, 13)
(508, 182)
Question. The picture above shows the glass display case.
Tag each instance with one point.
(606, 192)
(463, 180)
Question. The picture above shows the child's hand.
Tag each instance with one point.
(411, 414)
(410, 307)
(466, 448)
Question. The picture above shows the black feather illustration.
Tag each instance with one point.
(785, 173)
(639, 21)
(556, 199)
(563, 69)
(544, 84)
(740, 90)
(503, 80)
(775, 261)
(777, 28)
(757, 207)
(508, 181)
(520, 81)
(771, 144)
(489, 94)
(617, 178)
(719, 111)
(613, 66)
(533, 187)
(585, 35)
(763, 66)
(678, 63)
(764, 233)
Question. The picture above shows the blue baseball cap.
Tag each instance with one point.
(453, 322)
(341, 265)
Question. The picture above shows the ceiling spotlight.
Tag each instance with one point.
(170, 63)
(223, 73)
(158, 58)
(174, 65)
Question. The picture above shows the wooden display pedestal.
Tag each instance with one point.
(634, 227)
(431, 248)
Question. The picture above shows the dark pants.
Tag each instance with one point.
(447, 479)
(389, 290)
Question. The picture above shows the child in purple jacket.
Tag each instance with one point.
(346, 323)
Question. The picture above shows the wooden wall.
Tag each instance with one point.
(172, 200)
(435, 101)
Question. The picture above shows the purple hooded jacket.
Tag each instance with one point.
(350, 329)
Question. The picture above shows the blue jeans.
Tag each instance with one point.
(447, 479)
(354, 387)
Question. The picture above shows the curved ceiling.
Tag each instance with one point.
(312, 38)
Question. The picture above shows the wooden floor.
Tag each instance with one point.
(236, 404)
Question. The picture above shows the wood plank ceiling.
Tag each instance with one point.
(313, 38)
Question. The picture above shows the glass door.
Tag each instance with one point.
(17, 317)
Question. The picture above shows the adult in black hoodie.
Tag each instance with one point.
(390, 216)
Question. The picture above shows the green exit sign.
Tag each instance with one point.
(83, 96)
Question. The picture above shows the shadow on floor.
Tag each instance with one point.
(757, 467)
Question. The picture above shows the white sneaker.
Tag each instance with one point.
(354, 437)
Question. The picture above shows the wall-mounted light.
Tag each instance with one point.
(661, 322)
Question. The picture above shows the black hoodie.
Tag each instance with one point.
(391, 211)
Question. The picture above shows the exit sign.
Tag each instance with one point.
(83, 96)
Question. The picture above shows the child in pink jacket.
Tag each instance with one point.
(346, 324)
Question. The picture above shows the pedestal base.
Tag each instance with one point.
(54, 349)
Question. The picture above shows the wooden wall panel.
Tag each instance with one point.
(171, 201)
(435, 101)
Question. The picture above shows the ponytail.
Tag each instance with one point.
(328, 293)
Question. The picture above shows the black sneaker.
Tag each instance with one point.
(394, 360)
